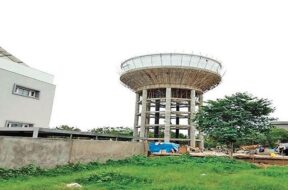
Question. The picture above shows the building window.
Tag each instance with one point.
(27, 92)
(12, 124)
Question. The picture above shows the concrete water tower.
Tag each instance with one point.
(169, 90)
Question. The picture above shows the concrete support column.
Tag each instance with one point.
(167, 115)
(177, 121)
(201, 135)
(143, 114)
(148, 107)
(157, 118)
(35, 132)
(189, 123)
(192, 125)
(136, 117)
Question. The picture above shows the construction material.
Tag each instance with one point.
(163, 148)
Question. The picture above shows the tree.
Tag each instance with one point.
(68, 128)
(232, 118)
(123, 131)
(277, 135)
(271, 138)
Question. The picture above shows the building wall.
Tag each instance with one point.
(23, 109)
(281, 124)
(17, 152)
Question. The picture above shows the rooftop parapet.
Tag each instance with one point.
(10, 63)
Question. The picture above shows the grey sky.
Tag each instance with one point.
(84, 42)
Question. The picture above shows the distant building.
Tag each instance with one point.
(26, 94)
(281, 124)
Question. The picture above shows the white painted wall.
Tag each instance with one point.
(23, 109)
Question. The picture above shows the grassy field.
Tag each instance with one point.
(177, 173)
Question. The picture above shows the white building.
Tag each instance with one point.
(26, 94)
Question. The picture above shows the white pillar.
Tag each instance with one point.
(147, 119)
(35, 132)
(201, 135)
(143, 114)
(167, 115)
(192, 125)
(136, 117)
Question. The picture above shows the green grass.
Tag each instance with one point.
(175, 173)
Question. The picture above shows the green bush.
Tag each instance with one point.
(112, 177)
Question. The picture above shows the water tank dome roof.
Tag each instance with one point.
(176, 70)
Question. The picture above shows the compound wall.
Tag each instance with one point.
(17, 152)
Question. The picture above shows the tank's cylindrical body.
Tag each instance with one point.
(169, 90)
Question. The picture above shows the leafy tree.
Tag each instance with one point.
(210, 143)
(254, 138)
(277, 135)
(126, 131)
(271, 138)
(232, 118)
(68, 128)
(172, 135)
(123, 131)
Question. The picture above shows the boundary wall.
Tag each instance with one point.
(17, 152)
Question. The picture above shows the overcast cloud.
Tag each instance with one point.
(83, 43)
